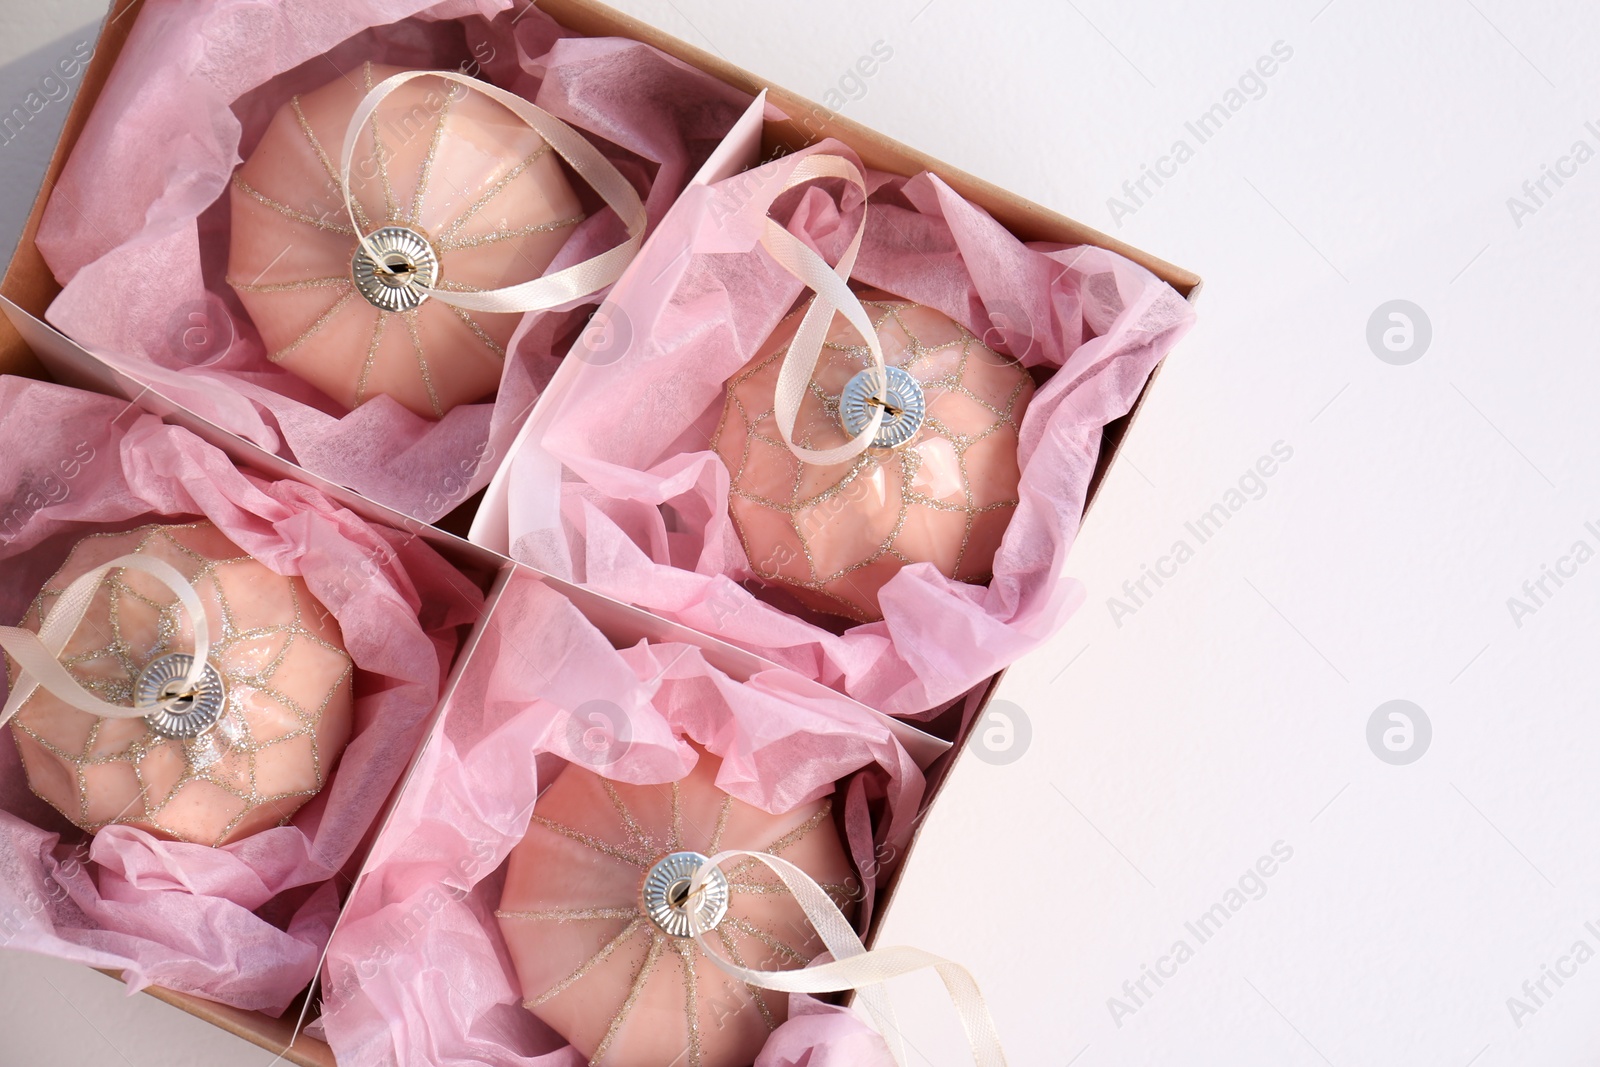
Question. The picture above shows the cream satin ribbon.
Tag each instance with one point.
(854, 966)
(552, 290)
(833, 295)
(38, 654)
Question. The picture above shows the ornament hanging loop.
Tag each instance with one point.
(833, 296)
(553, 290)
(187, 683)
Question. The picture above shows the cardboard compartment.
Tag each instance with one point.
(470, 727)
(149, 334)
(30, 347)
(452, 587)
(638, 362)
(623, 626)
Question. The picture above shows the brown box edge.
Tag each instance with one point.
(29, 283)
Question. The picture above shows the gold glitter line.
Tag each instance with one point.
(639, 979)
(773, 942)
(788, 839)
(732, 948)
(636, 832)
(378, 151)
(691, 999)
(562, 915)
(327, 164)
(422, 361)
(832, 889)
(321, 321)
(600, 956)
(494, 190)
(454, 244)
(478, 331)
(676, 844)
(715, 845)
(425, 170)
(336, 281)
(372, 358)
(288, 212)
(593, 842)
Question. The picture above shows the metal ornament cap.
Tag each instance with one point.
(411, 261)
(903, 400)
(189, 718)
(664, 889)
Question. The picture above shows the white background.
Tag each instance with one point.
(1172, 747)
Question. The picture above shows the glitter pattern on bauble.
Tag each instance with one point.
(453, 191)
(284, 680)
(833, 535)
(598, 919)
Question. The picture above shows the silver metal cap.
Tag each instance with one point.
(903, 402)
(192, 715)
(664, 895)
(408, 257)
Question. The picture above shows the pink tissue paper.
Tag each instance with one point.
(418, 973)
(138, 238)
(641, 510)
(243, 924)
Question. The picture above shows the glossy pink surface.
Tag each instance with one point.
(835, 534)
(288, 710)
(571, 904)
(484, 189)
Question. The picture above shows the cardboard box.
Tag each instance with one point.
(465, 729)
(29, 346)
(623, 626)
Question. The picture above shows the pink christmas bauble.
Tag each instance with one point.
(448, 184)
(600, 947)
(834, 534)
(285, 694)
